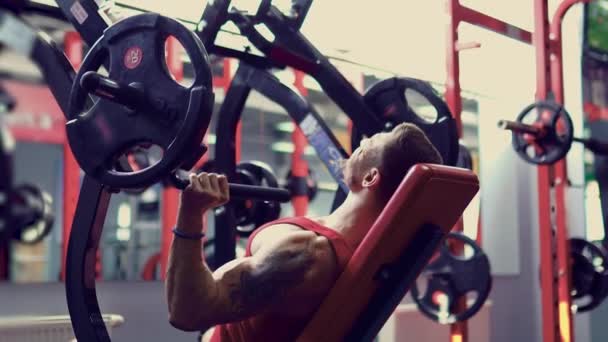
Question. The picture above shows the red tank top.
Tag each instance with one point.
(272, 327)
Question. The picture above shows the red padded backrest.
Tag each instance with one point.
(429, 195)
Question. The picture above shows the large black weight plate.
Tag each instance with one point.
(31, 214)
(556, 140)
(589, 274)
(390, 100)
(251, 214)
(167, 115)
(135, 160)
(453, 277)
(245, 210)
(302, 186)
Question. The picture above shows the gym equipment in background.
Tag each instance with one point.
(7, 147)
(304, 57)
(393, 99)
(450, 277)
(321, 138)
(132, 109)
(543, 134)
(302, 186)
(25, 210)
(40, 49)
(139, 35)
(255, 75)
(138, 102)
(136, 159)
(291, 48)
(589, 272)
(251, 213)
(31, 215)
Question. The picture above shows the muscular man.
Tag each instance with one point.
(291, 264)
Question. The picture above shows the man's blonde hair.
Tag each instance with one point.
(410, 146)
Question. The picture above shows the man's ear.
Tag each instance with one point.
(371, 178)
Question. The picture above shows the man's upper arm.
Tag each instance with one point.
(285, 261)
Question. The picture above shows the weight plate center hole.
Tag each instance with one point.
(175, 55)
(139, 158)
(421, 106)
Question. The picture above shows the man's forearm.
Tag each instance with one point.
(190, 286)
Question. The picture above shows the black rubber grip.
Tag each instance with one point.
(241, 191)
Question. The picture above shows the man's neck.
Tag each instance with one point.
(353, 219)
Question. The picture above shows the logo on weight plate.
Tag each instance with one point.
(133, 57)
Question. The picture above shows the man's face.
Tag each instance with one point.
(366, 156)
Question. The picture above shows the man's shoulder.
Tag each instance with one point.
(320, 273)
(285, 234)
(278, 234)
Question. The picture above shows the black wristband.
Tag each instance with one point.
(187, 236)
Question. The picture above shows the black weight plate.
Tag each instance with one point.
(589, 272)
(245, 210)
(309, 187)
(32, 214)
(134, 160)
(554, 144)
(167, 114)
(388, 100)
(262, 171)
(454, 277)
(258, 212)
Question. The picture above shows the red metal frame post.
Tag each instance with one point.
(552, 183)
(458, 330)
(299, 165)
(457, 14)
(452, 90)
(561, 177)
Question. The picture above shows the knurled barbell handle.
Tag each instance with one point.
(241, 191)
(593, 145)
(519, 127)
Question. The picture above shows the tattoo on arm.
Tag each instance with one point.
(269, 282)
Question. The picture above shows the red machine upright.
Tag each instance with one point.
(553, 179)
(299, 165)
